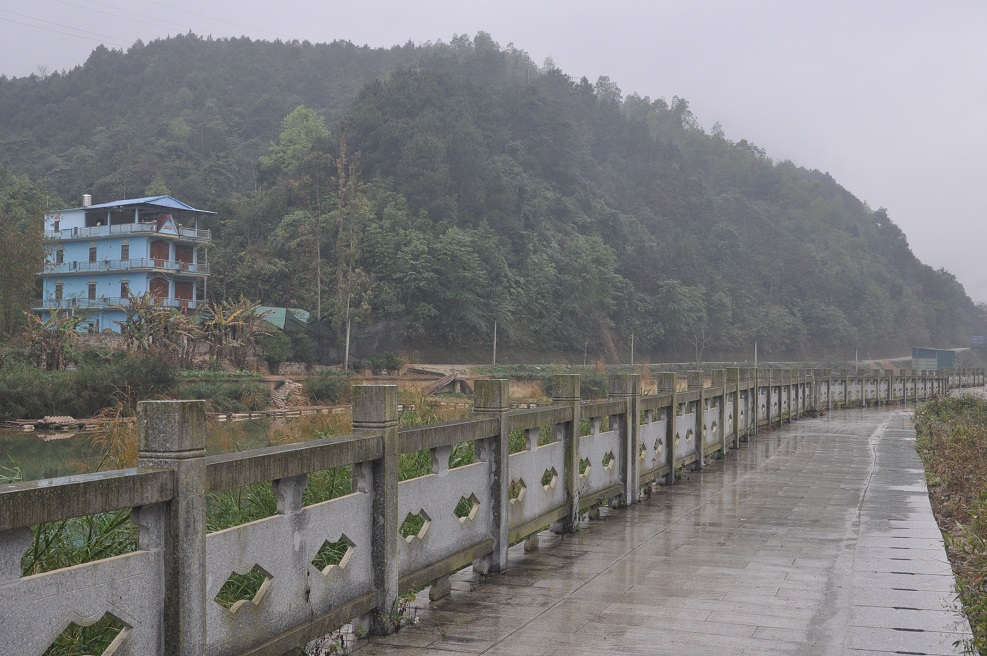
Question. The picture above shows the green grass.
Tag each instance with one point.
(952, 441)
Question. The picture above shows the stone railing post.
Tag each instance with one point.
(769, 380)
(862, 382)
(877, 386)
(803, 390)
(733, 380)
(172, 434)
(492, 398)
(696, 380)
(667, 384)
(628, 388)
(375, 409)
(784, 393)
(566, 391)
(791, 384)
(797, 393)
(750, 407)
(719, 377)
(755, 396)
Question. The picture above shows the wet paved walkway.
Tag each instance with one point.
(814, 539)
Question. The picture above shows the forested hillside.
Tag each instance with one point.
(445, 187)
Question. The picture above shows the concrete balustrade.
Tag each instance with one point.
(576, 457)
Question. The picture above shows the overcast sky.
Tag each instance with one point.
(887, 96)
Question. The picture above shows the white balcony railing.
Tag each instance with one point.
(106, 302)
(141, 263)
(124, 229)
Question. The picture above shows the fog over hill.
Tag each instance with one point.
(450, 186)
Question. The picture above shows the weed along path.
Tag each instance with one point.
(816, 539)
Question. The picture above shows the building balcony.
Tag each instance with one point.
(107, 303)
(138, 264)
(94, 232)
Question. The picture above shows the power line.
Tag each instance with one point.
(48, 29)
(68, 27)
(212, 18)
(107, 13)
(162, 21)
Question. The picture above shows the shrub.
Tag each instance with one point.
(276, 348)
(302, 348)
(122, 381)
(227, 396)
(330, 386)
(385, 360)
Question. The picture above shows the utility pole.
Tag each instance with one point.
(495, 344)
(632, 349)
(755, 354)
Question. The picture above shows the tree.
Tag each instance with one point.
(301, 131)
(682, 310)
(21, 211)
(152, 328)
(607, 89)
(231, 329)
(350, 217)
(586, 290)
(49, 340)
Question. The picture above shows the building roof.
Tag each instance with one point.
(282, 317)
(164, 202)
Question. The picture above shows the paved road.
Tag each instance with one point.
(814, 539)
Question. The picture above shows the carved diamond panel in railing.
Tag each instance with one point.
(549, 478)
(516, 489)
(608, 460)
(467, 508)
(241, 589)
(415, 526)
(584, 467)
(333, 554)
(102, 636)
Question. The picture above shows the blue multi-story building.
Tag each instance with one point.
(98, 256)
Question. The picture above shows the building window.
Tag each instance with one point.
(159, 288)
(159, 252)
(58, 291)
(54, 225)
(184, 254)
(92, 291)
(59, 256)
(125, 252)
(92, 253)
(124, 289)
